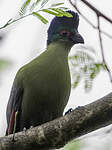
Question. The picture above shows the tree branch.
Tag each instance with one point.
(57, 133)
(88, 21)
(99, 13)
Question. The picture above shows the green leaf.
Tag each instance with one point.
(93, 75)
(57, 4)
(97, 66)
(64, 8)
(51, 12)
(95, 70)
(84, 56)
(44, 2)
(24, 7)
(61, 12)
(34, 5)
(104, 66)
(40, 17)
(4, 63)
(88, 85)
(85, 69)
(74, 57)
(37, 1)
(76, 81)
(101, 66)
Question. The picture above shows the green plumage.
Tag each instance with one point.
(42, 87)
(46, 82)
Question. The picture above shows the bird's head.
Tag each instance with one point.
(65, 29)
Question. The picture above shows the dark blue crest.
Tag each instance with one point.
(71, 22)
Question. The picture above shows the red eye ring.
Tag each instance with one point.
(64, 33)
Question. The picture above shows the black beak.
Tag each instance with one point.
(76, 38)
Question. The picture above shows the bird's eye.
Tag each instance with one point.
(65, 33)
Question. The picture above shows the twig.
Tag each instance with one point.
(89, 22)
(99, 13)
(15, 20)
(101, 47)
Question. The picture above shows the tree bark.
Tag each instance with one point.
(56, 133)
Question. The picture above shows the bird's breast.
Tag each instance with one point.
(52, 84)
(46, 89)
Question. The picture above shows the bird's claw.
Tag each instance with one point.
(69, 111)
(24, 129)
(31, 127)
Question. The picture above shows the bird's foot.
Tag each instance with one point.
(69, 111)
(13, 138)
(24, 129)
(31, 127)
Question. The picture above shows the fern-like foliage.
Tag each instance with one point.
(57, 4)
(35, 7)
(85, 66)
(31, 8)
(34, 4)
(44, 2)
(40, 17)
(24, 7)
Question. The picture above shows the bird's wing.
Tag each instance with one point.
(14, 109)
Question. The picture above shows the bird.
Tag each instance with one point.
(41, 88)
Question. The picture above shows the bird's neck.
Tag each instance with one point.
(59, 47)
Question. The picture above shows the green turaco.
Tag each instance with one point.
(42, 87)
